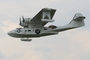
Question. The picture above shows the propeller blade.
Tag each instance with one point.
(20, 21)
(23, 19)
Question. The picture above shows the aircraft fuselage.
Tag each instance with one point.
(31, 32)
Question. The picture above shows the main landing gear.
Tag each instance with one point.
(37, 31)
(27, 40)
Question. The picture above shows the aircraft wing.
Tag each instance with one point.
(43, 17)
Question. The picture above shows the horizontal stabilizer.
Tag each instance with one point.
(78, 16)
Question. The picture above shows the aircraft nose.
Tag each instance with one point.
(8, 33)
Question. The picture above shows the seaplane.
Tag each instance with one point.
(35, 27)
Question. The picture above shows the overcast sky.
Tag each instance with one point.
(69, 45)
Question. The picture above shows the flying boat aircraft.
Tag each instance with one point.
(35, 27)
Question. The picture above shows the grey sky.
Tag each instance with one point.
(69, 45)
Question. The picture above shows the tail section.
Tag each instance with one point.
(78, 20)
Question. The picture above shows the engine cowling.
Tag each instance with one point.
(27, 20)
(24, 24)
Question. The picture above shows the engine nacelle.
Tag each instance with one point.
(27, 20)
(24, 24)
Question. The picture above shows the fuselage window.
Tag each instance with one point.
(45, 28)
(29, 30)
(25, 30)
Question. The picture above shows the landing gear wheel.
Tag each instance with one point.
(37, 31)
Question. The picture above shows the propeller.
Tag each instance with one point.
(23, 20)
(20, 21)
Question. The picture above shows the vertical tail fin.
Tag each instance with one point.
(78, 20)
